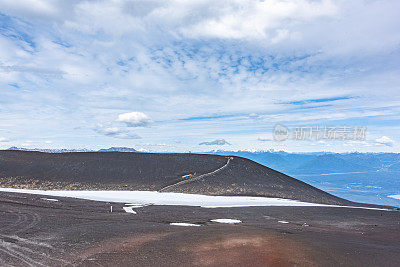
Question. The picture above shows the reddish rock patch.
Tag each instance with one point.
(249, 250)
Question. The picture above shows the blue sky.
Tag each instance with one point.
(171, 75)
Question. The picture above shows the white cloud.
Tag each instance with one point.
(265, 139)
(3, 140)
(115, 132)
(262, 20)
(135, 119)
(359, 143)
(254, 116)
(185, 60)
(30, 7)
(384, 140)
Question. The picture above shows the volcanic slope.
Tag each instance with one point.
(207, 174)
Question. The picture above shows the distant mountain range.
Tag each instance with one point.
(111, 149)
(118, 149)
(63, 150)
(321, 163)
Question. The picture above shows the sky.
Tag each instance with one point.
(178, 76)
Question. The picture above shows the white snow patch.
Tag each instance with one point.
(144, 198)
(395, 196)
(185, 224)
(230, 221)
(135, 205)
(283, 222)
(141, 198)
(49, 199)
(129, 210)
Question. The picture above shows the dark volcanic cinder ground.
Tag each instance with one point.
(218, 175)
(72, 232)
(35, 231)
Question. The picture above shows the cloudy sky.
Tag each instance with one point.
(198, 75)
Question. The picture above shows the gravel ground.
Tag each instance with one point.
(36, 231)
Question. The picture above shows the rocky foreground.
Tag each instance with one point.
(39, 230)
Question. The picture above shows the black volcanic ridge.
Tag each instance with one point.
(183, 173)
